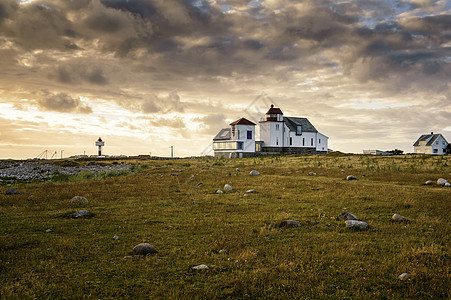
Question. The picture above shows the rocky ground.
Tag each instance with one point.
(38, 170)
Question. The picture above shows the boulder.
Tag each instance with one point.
(200, 267)
(447, 184)
(351, 177)
(79, 199)
(237, 169)
(404, 276)
(289, 223)
(250, 191)
(399, 218)
(358, 225)
(227, 187)
(219, 192)
(346, 216)
(429, 182)
(82, 213)
(12, 192)
(441, 181)
(144, 249)
(254, 172)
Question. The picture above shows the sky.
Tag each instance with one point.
(146, 75)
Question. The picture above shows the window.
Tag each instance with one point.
(303, 141)
(240, 146)
(291, 141)
(238, 134)
(435, 150)
(318, 142)
(299, 130)
(277, 127)
(311, 141)
(277, 141)
(249, 134)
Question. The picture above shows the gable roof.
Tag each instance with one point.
(242, 121)
(429, 138)
(293, 122)
(224, 134)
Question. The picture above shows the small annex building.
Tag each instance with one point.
(432, 144)
(278, 135)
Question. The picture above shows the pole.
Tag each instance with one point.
(172, 151)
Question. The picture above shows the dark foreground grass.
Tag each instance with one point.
(233, 234)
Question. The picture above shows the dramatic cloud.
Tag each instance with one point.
(356, 66)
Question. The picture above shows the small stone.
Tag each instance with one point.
(447, 184)
(313, 222)
(200, 184)
(359, 225)
(399, 218)
(200, 267)
(404, 276)
(312, 173)
(429, 182)
(174, 174)
(79, 199)
(227, 187)
(144, 249)
(441, 181)
(48, 230)
(351, 177)
(12, 192)
(115, 237)
(289, 223)
(128, 257)
(81, 213)
(254, 172)
(342, 171)
(237, 169)
(219, 192)
(245, 195)
(250, 191)
(222, 251)
(346, 216)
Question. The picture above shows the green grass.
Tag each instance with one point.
(190, 225)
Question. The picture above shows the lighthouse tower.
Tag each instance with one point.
(100, 143)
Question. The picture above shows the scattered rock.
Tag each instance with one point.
(441, 181)
(448, 184)
(219, 192)
(313, 222)
(128, 257)
(48, 230)
(79, 199)
(429, 182)
(222, 251)
(227, 187)
(12, 192)
(312, 173)
(359, 225)
(346, 216)
(237, 169)
(351, 177)
(289, 223)
(399, 218)
(200, 267)
(144, 249)
(115, 237)
(250, 191)
(82, 213)
(254, 172)
(404, 276)
(245, 195)
(174, 174)
(200, 184)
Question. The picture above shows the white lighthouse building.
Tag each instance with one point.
(100, 144)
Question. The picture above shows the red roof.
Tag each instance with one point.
(99, 140)
(242, 121)
(274, 111)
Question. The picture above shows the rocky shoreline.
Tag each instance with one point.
(37, 170)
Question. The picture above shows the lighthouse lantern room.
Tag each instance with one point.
(100, 143)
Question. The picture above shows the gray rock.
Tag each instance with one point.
(227, 187)
(222, 251)
(144, 249)
(359, 225)
(312, 173)
(200, 267)
(346, 216)
(237, 169)
(429, 182)
(219, 192)
(447, 184)
(399, 218)
(404, 276)
(250, 191)
(82, 213)
(254, 172)
(441, 181)
(115, 237)
(289, 223)
(79, 199)
(351, 177)
(200, 184)
(12, 192)
(48, 230)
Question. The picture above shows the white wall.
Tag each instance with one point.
(271, 136)
(248, 144)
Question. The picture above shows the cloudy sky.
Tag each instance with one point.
(149, 74)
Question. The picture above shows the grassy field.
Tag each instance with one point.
(46, 254)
